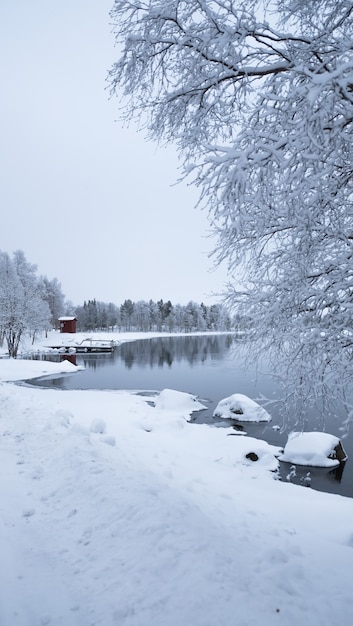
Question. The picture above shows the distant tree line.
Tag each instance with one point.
(153, 316)
(32, 304)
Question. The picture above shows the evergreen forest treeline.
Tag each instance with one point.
(153, 316)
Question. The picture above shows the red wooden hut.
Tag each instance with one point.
(67, 324)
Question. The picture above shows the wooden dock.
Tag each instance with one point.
(87, 346)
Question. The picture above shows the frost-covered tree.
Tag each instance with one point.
(142, 315)
(53, 295)
(9, 287)
(126, 313)
(258, 98)
(22, 308)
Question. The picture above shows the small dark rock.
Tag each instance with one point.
(339, 453)
(252, 456)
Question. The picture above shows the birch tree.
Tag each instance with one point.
(257, 96)
(53, 295)
(22, 308)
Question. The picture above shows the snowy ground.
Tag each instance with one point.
(114, 511)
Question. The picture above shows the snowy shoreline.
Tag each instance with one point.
(114, 511)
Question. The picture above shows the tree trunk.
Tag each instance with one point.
(13, 340)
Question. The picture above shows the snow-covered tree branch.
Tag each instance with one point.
(258, 98)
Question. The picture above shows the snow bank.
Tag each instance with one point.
(313, 448)
(106, 522)
(17, 369)
(242, 408)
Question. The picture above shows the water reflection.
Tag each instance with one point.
(69, 357)
(337, 472)
(158, 353)
(320, 478)
(94, 361)
(167, 350)
(209, 367)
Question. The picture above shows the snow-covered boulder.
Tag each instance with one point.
(242, 408)
(171, 409)
(315, 449)
(178, 402)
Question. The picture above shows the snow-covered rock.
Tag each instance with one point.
(314, 448)
(178, 402)
(242, 408)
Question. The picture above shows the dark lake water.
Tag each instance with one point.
(210, 368)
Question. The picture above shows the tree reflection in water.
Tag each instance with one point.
(166, 350)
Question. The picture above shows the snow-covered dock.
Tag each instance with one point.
(86, 345)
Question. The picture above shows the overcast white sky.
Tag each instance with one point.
(88, 202)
